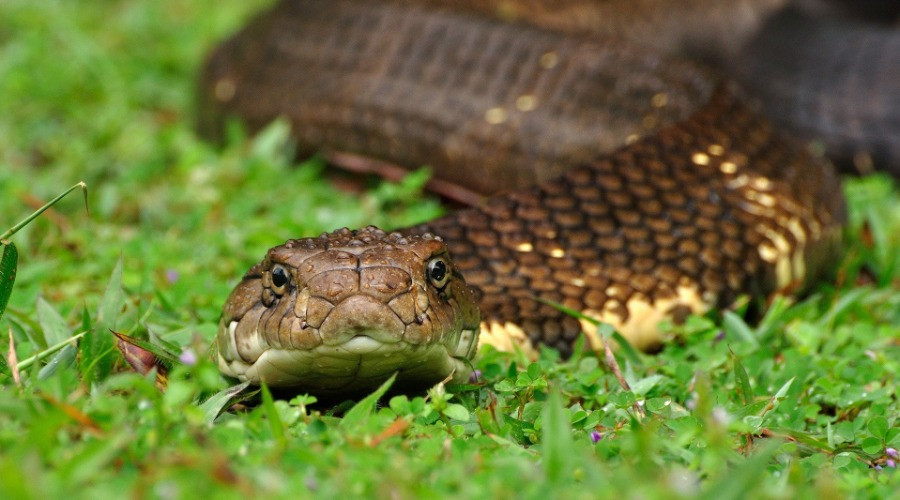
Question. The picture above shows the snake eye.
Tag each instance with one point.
(437, 271)
(280, 279)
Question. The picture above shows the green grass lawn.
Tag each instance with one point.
(802, 405)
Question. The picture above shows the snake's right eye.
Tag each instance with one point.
(438, 272)
(280, 279)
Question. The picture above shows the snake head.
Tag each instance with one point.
(342, 312)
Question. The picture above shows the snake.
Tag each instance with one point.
(830, 80)
(632, 187)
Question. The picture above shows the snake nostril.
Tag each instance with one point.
(420, 319)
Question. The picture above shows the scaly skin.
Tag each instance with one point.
(677, 197)
(348, 310)
(711, 30)
(830, 81)
(486, 104)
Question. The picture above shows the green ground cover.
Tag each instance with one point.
(804, 405)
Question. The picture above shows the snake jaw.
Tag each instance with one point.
(361, 316)
(359, 307)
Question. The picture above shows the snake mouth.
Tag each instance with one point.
(360, 363)
(362, 344)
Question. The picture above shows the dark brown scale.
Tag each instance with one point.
(831, 80)
(724, 269)
(710, 29)
(358, 79)
(414, 87)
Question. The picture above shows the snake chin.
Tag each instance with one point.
(357, 365)
(362, 344)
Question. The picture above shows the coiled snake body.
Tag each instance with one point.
(680, 198)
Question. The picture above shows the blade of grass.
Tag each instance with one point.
(54, 326)
(161, 353)
(25, 363)
(737, 483)
(360, 412)
(96, 357)
(777, 398)
(275, 422)
(627, 349)
(221, 400)
(9, 257)
(24, 222)
(12, 360)
(742, 380)
(65, 357)
(556, 440)
(736, 326)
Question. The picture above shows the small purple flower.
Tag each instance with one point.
(878, 467)
(890, 463)
(172, 275)
(475, 376)
(719, 337)
(188, 357)
(596, 436)
(891, 452)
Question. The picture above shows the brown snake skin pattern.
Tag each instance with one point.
(683, 220)
(684, 197)
(487, 105)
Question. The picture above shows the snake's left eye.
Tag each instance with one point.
(438, 272)
(280, 279)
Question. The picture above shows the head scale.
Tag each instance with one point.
(344, 311)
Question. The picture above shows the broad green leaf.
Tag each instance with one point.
(872, 445)
(878, 427)
(457, 412)
(113, 298)
(361, 411)
(735, 326)
(9, 258)
(754, 421)
(892, 438)
(400, 404)
(98, 347)
(643, 386)
(221, 400)
(54, 326)
(65, 357)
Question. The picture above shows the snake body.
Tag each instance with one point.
(833, 81)
(710, 30)
(681, 197)
(488, 105)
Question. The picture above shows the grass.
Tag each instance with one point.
(802, 405)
